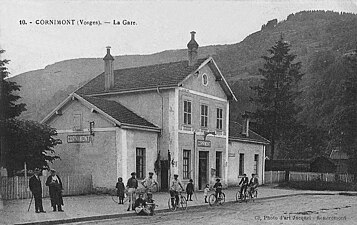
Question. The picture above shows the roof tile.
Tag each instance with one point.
(235, 132)
(162, 75)
(118, 111)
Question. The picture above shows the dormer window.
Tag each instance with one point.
(204, 79)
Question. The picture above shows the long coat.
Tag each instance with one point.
(55, 190)
(35, 186)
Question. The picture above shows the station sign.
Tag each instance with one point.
(203, 143)
(78, 139)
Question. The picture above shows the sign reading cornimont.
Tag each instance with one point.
(203, 143)
(78, 139)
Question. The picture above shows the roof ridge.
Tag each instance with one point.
(156, 64)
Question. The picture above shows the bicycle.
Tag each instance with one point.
(241, 197)
(252, 195)
(213, 200)
(181, 204)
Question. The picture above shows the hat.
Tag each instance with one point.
(52, 170)
(133, 173)
(175, 175)
(151, 173)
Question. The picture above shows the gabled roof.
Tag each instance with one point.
(235, 134)
(166, 75)
(113, 111)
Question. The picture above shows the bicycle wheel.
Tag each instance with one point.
(212, 199)
(169, 203)
(248, 196)
(238, 196)
(183, 203)
(222, 199)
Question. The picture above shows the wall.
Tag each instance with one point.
(150, 105)
(217, 144)
(141, 139)
(194, 82)
(97, 157)
(249, 150)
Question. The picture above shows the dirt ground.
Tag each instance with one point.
(314, 209)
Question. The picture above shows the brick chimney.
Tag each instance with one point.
(108, 70)
(245, 128)
(192, 50)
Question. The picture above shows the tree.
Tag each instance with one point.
(343, 129)
(21, 140)
(11, 109)
(275, 97)
(30, 142)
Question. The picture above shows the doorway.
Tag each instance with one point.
(202, 170)
(164, 175)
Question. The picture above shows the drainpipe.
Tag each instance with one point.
(161, 131)
(194, 160)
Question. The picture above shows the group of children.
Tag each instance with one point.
(142, 206)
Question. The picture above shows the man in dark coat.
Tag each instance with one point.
(36, 189)
(55, 188)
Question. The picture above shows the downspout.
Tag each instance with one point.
(161, 130)
(194, 160)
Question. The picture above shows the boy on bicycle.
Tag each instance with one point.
(244, 182)
(175, 187)
(218, 188)
(253, 184)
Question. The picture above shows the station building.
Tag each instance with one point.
(171, 118)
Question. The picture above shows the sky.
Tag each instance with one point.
(30, 44)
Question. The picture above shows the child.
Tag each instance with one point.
(218, 187)
(205, 192)
(189, 190)
(150, 205)
(120, 190)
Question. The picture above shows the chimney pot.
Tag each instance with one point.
(192, 50)
(108, 70)
(245, 128)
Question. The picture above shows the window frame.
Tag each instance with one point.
(219, 167)
(204, 118)
(186, 164)
(219, 120)
(256, 163)
(204, 79)
(140, 157)
(188, 114)
(77, 122)
(241, 164)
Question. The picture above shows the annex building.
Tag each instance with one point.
(171, 118)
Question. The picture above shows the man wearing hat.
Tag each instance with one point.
(132, 185)
(175, 187)
(55, 187)
(149, 183)
(36, 189)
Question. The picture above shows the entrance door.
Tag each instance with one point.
(202, 170)
(164, 175)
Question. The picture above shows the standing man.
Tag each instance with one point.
(132, 185)
(36, 189)
(149, 183)
(55, 187)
